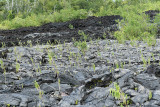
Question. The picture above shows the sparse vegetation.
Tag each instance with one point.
(69, 57)
(118, 94)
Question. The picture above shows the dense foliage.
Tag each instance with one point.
(135, 25)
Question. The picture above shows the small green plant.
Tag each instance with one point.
(36, 85)
(110, 70)
(3, 44)
(29, 42)
(17, 66)
(76, 43)
(22, 85)
(76, 102)
(144, 61)
(121, 64)
(2, 66)
(38, 69)
(104, 35)
(118, 94)
(38, 88)
(150, 95)
(50, 56)
(112, 53)
(20, 43)
(94, 67)
(83, 46)
(84, 36)
(135, 88)
(15, 51)
(32, 61)
(117, 65)
(8, 105)
(115, 92)
(59, 84)
(151, 41)
(71, 26)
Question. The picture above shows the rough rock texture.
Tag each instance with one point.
(64, 75)
(69, 79)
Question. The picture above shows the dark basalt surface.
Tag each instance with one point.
(62, 75)
(152, 13)
(95, 27)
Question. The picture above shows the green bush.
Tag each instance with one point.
(80, 4)
(135, 25)
(157, 20)
(69, 14)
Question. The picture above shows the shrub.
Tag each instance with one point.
(69, 14)
(135, 25)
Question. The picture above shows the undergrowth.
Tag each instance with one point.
(134, 26)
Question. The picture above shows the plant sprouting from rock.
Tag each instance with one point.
(144, 61)
(118, 94)
(84, 36)
(2, 66)
(94, 67)
(17, 66)
(83, 46)
(38, 88)
(29, 42)
(50, 56)
(71, 26)
(3, 44)
(59, 83)
(150, 95)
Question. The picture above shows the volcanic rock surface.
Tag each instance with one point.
(71, 80)
(66, 75)
(94, 27)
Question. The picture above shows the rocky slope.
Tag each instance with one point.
(97, 73)
(71, 79)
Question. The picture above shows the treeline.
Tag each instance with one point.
(20, 13)
(23, 8)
